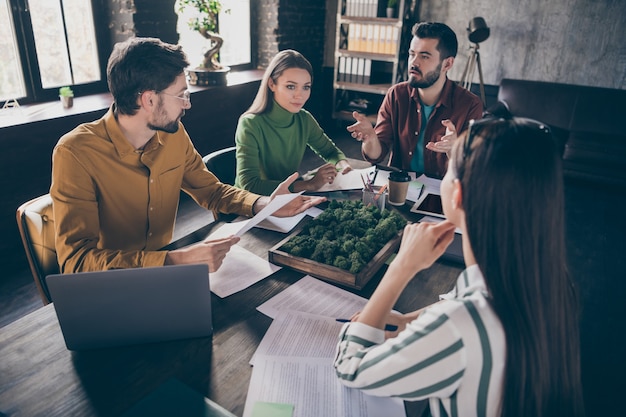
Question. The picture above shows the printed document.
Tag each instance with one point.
(311, 295)
(310, 384)
(298, 334)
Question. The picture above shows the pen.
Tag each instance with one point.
(365, 187)
(375, 174)
(388, 327)
(421, 191)
(382, 190)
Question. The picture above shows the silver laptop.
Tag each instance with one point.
(132, 306)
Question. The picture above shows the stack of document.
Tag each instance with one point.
(293, 365)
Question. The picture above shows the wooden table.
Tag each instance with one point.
(39, 376)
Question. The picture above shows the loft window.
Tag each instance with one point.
(47, 44)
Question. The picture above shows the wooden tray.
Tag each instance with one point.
(329, 272)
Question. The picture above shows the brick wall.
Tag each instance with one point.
(293, 24)
(147, 18)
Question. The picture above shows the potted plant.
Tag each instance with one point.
(210, 71)
(67, 96)
(391, 8)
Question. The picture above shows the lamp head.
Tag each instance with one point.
(477, 31)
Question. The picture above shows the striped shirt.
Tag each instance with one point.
(453, 354)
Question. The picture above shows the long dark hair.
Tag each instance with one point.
(511, 179)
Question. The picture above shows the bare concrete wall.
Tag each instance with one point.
(579, 42)
(570, 41)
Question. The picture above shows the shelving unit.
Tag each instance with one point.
(370, 54)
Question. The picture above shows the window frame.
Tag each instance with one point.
(25, 40)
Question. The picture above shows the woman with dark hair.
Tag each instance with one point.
(505, 341)
(272, 135)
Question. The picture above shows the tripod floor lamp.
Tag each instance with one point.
(477, 32)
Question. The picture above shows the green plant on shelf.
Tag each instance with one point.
(66, 92)
(392, 3)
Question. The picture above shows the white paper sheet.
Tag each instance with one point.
(286, 224)
(432, 185)
(311, 385)
(353, 180)
(240, 269)
(291, 333)
(311, 295)
(240, 227)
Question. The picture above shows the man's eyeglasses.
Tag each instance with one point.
(186, 97)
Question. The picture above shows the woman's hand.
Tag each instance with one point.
(422, 244)
(325, 175)
(343, 166)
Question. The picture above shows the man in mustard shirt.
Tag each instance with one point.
(116, 181)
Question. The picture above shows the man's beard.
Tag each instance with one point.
(427, 80)
(169, 127)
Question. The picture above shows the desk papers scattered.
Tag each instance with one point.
(294, 364)
(311, 295)
(239, 228)
(240, 270)
(352, 180)
(286, 224)
(431, 185)
(291, 333)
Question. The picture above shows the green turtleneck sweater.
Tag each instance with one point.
(270, 147)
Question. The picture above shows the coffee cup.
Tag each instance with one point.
(398, 187)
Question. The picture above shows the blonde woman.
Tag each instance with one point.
(272, 135)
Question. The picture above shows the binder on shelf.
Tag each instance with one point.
(349, 7)
(362, 8)
(351, 41)
(357, 37)
(377, 39)
(369, 43)
(363, 38)
(389, 39)
(341, 76)
(372, 8)
(360, 72)
(394, 42)
(367, 71)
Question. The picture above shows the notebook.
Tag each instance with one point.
(132, 306)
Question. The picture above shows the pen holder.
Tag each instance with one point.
(375, 197)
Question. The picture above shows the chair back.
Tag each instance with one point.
(35, 221)
(223, 164)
